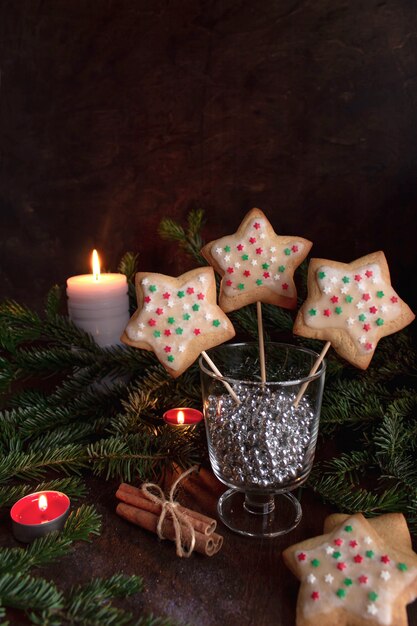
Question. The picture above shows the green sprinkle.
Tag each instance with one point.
(379, 321)
(245, 257)
(338, 310)
(312, 312)
(362, 317)
(372, 596)
(259, 282)
(380, 294)
(341, 593)
(152, 288)
(156, 333)
(179, 330)
(241, 286)
(227, 248)
(180, 294)
(315, 562)
(336, 554)
(195, 307)
(171, 320)
(322, 275)
(348, 529)
(170, 358)
(281, 268)
(349, 299)
(265, 266)
(370, 554)
(402, 567)
(287, 251)
(348, 582)
(346, 279)
(216, 323)
(186, 316)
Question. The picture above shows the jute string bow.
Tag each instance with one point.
(184, 531)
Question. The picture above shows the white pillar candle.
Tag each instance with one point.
(99, 304)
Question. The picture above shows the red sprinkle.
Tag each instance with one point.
(327, 312)
(258, 250)
(294, 248)
(266, 274)
(366, 327)
(167, 348)
(200, 296)
(167, 332)
(373, 309)
(257, 225)
(366, 297)
(358, 558)
(369, 273)
(246, 273)
(230, 270)
(197, 331)
(159, 311)
(353, 543)
(334, 299)
(368, 346)
(338, 542)
(363, 579)
(229, 283)
(341, 566)
(285, 286)
(152, 322)
(147, 298)
(190, 290)
(302, 556)
(240, 247)
(252, 240)
(385, 558)
(394, 299)
(166, 295)
(315, 595)
(358, 278)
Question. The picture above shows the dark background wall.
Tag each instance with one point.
(116, 113)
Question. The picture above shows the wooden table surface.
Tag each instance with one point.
(245, 584)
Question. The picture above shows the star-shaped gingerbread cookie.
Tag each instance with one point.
(352, 305)
(177, 318)
(256, 264)
(359, 573)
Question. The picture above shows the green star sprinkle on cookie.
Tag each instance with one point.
(341, 593)
(402, 567)
(281, 268)
(346, 279)
(195, 307)
(216, 323)
(312, 312)
(373, 596)
(181, 294)
(171, 320)
(287, 251)
(380, 294)
(322, 275)
(152, 288)
(186, 317)
(315, 563)
(349, 299)
(348, 528)
(379, 321)
(370, 554)
(179, 330)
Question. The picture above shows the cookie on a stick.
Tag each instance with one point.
(359, 573)
(351, 306)
(177, 318)
(256, 264)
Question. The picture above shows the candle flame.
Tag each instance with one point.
(43, 502)
(180, 417)
(95, 261)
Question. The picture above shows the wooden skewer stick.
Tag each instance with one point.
(261, 342)
(312, 371)
(218, 373)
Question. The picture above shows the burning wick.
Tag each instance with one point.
(180, 417)
(43, 505)
(96, 265)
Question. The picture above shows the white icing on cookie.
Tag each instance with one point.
(362, 578)
(358, 301)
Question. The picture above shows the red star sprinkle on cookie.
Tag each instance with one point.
(372, 591)
(352, 305)
(256, 264)
(177, 318)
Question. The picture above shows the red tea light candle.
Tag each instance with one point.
(183, 417)
(38, 514)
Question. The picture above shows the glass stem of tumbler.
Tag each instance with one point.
(259, 504)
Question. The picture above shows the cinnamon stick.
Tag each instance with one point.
(204, 544)
(138, 498)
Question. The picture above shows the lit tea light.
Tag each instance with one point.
(99, 303)
(38, 514)
(183, 417)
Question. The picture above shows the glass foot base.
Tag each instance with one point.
(260, 515)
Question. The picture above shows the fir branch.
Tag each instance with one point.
(73, 486)
(128, 265)
(25, 592)
(53, 301)
(190, 241)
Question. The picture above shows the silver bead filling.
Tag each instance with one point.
(264, 442)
